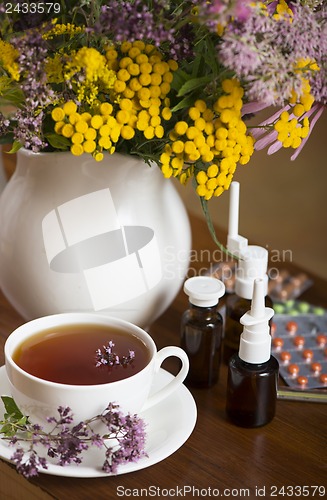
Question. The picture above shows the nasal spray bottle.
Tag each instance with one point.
(253, 372)
(252, 264)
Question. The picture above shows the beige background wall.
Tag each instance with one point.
(283, 203)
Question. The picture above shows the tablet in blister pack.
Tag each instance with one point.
(300, 346)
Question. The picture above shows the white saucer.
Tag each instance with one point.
(168, 425)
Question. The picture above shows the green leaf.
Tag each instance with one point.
(199, 64)
(13, 418)
(187, 102)
(193, 84)
(58, 141)
(15, 147)
(180, 77)
(22, 421)
(8, 430)
(12, 96)
(11, 407)
(211, 58)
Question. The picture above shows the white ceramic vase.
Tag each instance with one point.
(111, 237)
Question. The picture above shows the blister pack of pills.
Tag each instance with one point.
(299, 343)
(282, 285)
(298, 307)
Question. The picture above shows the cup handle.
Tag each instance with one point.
(168, 389)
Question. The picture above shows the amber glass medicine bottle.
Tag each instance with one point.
(202, 329)
(253, 372)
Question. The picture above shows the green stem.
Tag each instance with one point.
(205, 208)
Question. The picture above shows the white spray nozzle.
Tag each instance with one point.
(258, 300)
(235, 242)
(255, 343)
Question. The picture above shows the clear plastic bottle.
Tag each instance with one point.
(253, 372)
(202, 329)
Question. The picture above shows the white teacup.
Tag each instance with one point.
(41, 398)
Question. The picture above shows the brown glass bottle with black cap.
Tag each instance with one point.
(202, 329)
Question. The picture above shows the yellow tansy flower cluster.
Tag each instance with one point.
(88, 133)
(136, 101)
(8, 59)
(54, 69)
(63, 29)
(143, 79)
(291, 126)
(90, 63)
(216, 137)
(283, 11)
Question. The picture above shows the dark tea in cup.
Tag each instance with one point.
(67, 354)
(51, 362)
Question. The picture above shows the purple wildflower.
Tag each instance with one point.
(52, 453)
(318, 79)
(123, 441)
(28, 468)
(69, 449)
(106, 356)
(130, 436)
(38, 95)
(66, 416)
(68, 444)
(97, 440)
(264, 53)
(304, 38)
(222, 11)
(124, 20)
(4, 124)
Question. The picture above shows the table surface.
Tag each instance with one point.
(218, 457)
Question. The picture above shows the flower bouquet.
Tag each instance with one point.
(173, 82)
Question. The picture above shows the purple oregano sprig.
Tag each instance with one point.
(106, 356)
(38, 94)
(123, 441)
